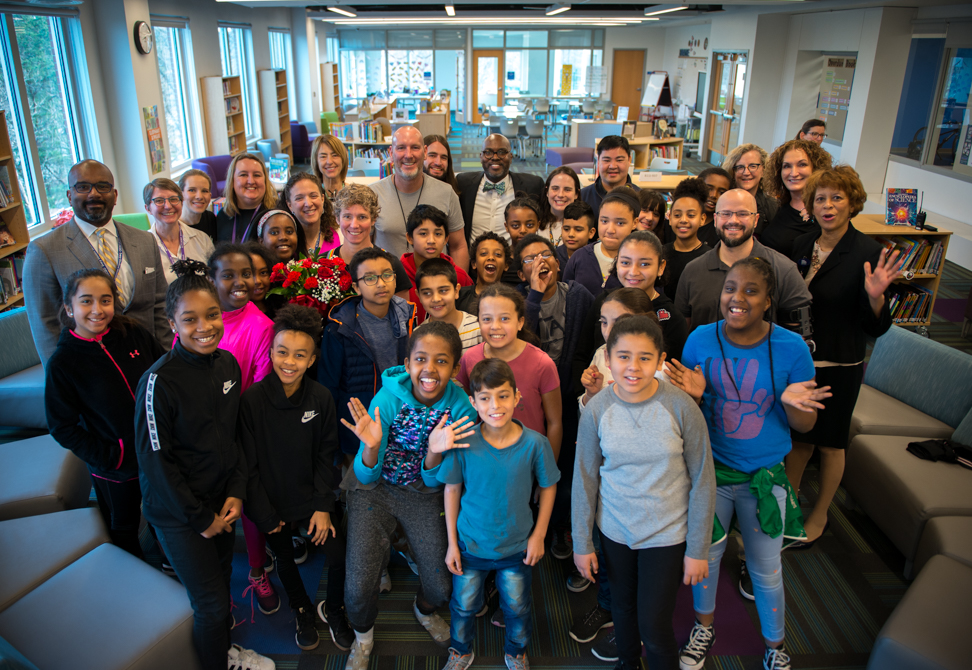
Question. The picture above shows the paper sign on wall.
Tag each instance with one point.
(566, 79)
(154, 134)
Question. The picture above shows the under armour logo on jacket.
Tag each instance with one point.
(133, 354)
(227, 386)
(308, 416)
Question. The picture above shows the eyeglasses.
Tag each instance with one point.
(817, 136)
(102, 187)
(528, 260)
(174, 201)
(385, 277)
(752, 167)
(499, 153)
(742, 216)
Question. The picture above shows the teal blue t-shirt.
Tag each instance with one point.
(495, 519)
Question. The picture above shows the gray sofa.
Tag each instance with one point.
(39, 476)
(21, 374)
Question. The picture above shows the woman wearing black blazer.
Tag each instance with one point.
(848, 274)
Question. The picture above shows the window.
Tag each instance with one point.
(236, 54)
(917, 96)
(173, 49)
(487, 39)
(281, 58)
(410, 71)
(951, 134)
(363, 73)
(331, 44)
(49, 118)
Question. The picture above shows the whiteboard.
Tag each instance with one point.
(653, 89)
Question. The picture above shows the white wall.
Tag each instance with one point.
(683, 73)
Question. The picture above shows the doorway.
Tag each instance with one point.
(627, 78)
(487, 81)
(725, 104)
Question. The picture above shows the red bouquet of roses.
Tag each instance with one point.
(318, 283)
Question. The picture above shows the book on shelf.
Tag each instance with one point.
(664, 151)
(233, 105)
(902, 207)
(6, 237)
(277, 169)
(9, 279)
(6, 191)
(226, 87)
(909, 303)
(370, 131)
(343, 130)
(234, 144)
(923, 255)
(230, 128)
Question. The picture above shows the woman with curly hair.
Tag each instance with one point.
(306, 199)
(787, 171)
(745, 164)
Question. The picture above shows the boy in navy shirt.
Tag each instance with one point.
(488, 516)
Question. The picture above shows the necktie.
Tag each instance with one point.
(111, 265)
(499, 187)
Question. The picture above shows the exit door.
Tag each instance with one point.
(725, 104)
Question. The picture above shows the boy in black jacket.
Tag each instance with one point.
(288, 427)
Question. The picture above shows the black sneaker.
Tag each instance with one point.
(776, 659)
(586, 629)
(307, 637)
(745, 582)
(337, 622)
(576, 582)
(692, 655)
(562, 546)
(300, 549)
(606, 648)
(271, 560)
(498, 619)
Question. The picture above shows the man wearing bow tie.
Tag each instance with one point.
(485, 195)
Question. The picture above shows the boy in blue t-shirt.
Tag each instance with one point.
(488, 516)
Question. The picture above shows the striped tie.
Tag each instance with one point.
(111, 265)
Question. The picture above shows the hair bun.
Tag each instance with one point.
(183, 268)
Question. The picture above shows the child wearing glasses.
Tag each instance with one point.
(365, 335)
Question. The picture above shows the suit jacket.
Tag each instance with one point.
(469, 183)
(53, 257)
(841, 311)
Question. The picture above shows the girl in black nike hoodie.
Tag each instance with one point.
(90, 399)
(191, 467)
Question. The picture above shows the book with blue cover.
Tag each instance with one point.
(902, 207)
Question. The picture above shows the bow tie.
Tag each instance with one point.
(499, 187)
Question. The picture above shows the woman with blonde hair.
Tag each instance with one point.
(745, 164)
(197, 193)
(248, 196)
(329, 159)
(787, 171)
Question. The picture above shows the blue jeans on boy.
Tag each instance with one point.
(513, 581)
(762, 559)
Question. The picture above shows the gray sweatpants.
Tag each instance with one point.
(372, 518)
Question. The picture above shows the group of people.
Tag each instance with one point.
(594, 370)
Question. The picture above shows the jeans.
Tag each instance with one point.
(120, 504)
(646, 582)
(762, 559)
(334, 548)
(513, 581)
(204, 567)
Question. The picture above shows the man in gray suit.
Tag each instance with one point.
(93, 240)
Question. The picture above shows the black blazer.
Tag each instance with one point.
(469, 183)
(841, 311)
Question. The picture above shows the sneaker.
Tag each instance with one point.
(776, 659)
(606, 648)
(459, 662)
(337, 622)
(438, 629)
(576, 582)
(489, 592)
(745, 582)
(692, 655)
(562, 546)
(238, 658)
(384, 586)
(498, 619)
(359, 657)
(517, 662)
(586, 629)
(300, 549)
(408, 559)
(307, 637)
(266, 596)
(271, 561)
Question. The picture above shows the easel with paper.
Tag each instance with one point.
(658, 97)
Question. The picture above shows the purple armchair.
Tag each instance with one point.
(301, 140)
(216, 167)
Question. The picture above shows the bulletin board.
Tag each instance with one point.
(836, 81)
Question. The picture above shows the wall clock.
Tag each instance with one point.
(144, 37)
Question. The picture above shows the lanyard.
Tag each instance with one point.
(405, 218)
(248, 226)
(317, 249)
(182, 248)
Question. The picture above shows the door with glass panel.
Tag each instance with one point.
(487, 81)
(725, 103)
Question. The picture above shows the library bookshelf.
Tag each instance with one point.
(923, 277)
(330, 87)
(275, 109)
(12, 216)
(223, 108)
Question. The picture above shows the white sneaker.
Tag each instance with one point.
(438, 629)
(385, 585)
(359, 657)
(238, 658)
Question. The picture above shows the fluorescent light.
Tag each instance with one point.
(346, 11)
(450, 10)
(559, 8)
(664, 11)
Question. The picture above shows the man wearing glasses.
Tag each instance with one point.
(700, 285)
(93, 240)
(484, 195)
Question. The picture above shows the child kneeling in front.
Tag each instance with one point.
(288, 428)
(393, 481)
(489, 483)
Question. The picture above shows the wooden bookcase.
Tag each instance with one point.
(646, 149)
(275, 109)
(13, 215)
(330, 87)
(223, 109)
(873, 225)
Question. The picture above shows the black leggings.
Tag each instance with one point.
(120, 505)
(333, 548)
(644, 585)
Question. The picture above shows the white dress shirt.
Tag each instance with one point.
(489, 211)
(125, 279)
(196, 246)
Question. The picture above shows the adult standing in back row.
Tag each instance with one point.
(400, 193)
(484, 195)
(247, 199)
(613, 162)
